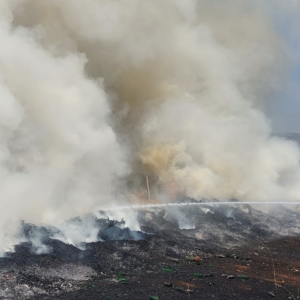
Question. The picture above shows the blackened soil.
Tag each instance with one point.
(236, 257)
(270, 268)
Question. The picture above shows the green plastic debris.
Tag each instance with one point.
(166, 269)
(242, 277)
(123, 280)
(120, 276)
(154, 298)
(198, 275)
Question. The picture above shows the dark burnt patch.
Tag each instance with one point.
(223, 253)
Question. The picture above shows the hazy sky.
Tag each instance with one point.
(285, 108)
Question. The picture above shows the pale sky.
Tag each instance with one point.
(285, 108)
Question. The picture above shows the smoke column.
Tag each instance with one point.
(173, 89)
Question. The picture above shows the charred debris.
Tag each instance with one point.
(177, 252)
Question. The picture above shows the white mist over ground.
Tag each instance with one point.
(173, 89)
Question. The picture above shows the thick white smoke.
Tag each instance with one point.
(57, 150)
(174, 89)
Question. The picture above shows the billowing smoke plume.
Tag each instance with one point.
(173, 89)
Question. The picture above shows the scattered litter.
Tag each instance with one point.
(166, 269)
(121, 277)
(179, 289)
(168, 284)
(173, 259)
(293, 270)
(123, 280)
(271, 294)
(242, 277)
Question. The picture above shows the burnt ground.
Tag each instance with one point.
(232, 252)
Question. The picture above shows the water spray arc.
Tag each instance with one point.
(142, 206)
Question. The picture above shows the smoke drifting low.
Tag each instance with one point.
(173, 89)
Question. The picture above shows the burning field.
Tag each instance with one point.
(197, 251)
(138, 157)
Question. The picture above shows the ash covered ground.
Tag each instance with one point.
(192, 252)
